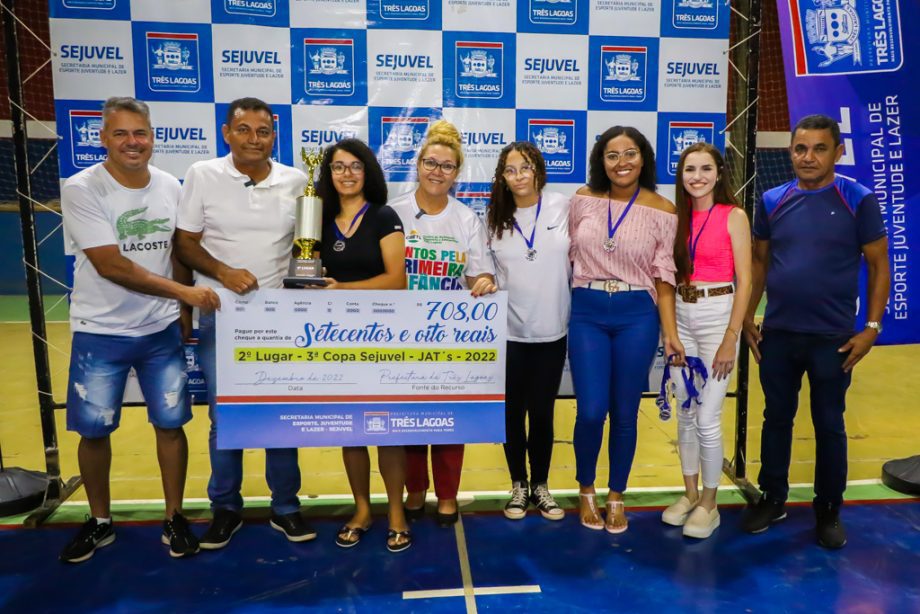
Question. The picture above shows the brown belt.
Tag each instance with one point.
(690, 294)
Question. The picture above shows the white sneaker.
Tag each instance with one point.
(676, 514)
(701, 523)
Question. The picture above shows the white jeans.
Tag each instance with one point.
(701, 327)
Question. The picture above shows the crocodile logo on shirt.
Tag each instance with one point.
(139, 228)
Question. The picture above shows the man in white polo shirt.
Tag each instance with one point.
(235, 229)
(119, 216)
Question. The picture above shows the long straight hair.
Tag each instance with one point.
(722, 194)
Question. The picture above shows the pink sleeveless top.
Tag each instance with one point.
(714, 260)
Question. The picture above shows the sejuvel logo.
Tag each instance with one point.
(405, 9)
(86, 144)
(479, 69)
(320, 137)
(683, 134)
(256, 8)
(553, 12)
(376, 422)
(624, 70)
(695, 15)
(329, 66)
(554, 137)
(401, 138)
(845, 36)
(172, 62)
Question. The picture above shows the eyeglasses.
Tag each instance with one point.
(526, 170)
(245, 131)
(430, 164)
(630, 155)
(355, 167)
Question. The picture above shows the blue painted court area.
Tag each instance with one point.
(531, 565)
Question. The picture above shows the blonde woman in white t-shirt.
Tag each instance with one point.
(431, 217)
(529, 240)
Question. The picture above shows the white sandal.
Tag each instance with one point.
(612, 505)
(591, 498)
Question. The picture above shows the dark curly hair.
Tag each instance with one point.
(500, 214)
(375, 185)
(722, 194)
(598, 180)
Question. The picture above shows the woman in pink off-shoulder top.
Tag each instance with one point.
(622, 238)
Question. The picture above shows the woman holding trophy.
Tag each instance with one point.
(362, 248)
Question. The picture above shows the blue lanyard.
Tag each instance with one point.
(694, 370)
(694, 243)
(610, 244)
(335, 227)
(531, 252)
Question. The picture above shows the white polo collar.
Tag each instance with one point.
(268, 182)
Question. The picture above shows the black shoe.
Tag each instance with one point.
(91, 536)
(413, 514)
(294, 527)
(829, 529)
(757, 518)
(179, 537)
(223, 526)
(448, 520)
(517, 505)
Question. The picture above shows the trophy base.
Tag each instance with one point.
(304, 282)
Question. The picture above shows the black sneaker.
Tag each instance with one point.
(757, 518)
(516, 508)
(829, 529)
(91, 536)
(179, 537)
(543, 501)
(222, 528)
(294, 527)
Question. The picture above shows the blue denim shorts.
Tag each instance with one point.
(99, 366)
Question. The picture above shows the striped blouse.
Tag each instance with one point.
(645, 243)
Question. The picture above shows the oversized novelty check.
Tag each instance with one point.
(316, 367)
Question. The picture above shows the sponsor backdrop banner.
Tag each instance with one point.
(556, 72)
(360, 367)
(855, 61)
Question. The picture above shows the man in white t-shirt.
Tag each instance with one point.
(119, 216)
(236, 229)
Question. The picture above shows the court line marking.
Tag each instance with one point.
(465, 573)
(483, 590)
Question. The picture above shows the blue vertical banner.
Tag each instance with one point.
(849, 59)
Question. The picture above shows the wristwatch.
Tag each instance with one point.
(877, 326)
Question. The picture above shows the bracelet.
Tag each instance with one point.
(733, 331)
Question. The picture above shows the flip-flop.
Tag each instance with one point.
(611, 512)
(342, 538)
(592, 503)
(399, 547)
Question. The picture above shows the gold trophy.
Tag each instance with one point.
(304, 269)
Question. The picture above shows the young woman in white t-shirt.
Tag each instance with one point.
(529, 240)
(445, 249)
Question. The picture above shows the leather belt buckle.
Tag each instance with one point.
(611, 286)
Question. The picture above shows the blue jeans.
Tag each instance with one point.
(612, 341)
(785, 358)
(281, 469)
(99, 366)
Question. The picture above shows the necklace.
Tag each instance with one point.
(610, 244)
(339, 244)
(531, 252)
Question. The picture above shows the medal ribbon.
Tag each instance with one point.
(533, 233)
(611, 228)
(694, 243)
(338, 233)
(695, 370)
